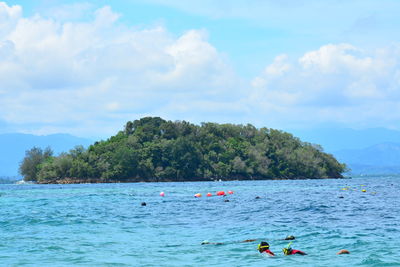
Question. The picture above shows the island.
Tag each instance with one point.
(152, 149)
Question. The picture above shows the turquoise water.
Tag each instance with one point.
(105, 224)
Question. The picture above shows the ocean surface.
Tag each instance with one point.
(105, 224)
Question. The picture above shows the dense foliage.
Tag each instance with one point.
(31, 164)
(152, 149)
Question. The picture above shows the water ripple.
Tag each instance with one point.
(105, 224)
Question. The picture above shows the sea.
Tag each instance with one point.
(106, 224)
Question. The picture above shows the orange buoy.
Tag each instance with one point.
(221, 193)
(162, 194)
(230, 192)
(209, 194)
(197, 195)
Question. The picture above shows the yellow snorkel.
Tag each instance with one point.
(287, 250)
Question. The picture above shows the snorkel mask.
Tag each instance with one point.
(287, 250)
(263, 246)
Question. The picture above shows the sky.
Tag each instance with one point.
(87, 67)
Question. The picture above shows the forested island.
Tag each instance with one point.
(152, 149)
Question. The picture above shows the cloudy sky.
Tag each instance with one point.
(87, 67)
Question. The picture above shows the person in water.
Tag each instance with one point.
(289, 251)
(263, 247)
(343, 251)
(206, 242)
(290, 237)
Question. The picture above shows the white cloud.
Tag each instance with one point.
(336, 83)
(55, 73)
(88, 77)
(279, 66)
(105, 17)
(336, 58)
(9, 15)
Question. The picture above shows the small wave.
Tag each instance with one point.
(374, 261)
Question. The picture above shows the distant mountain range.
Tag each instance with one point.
(368, 151)
(335, 139)
(382, 158)
(14, 145)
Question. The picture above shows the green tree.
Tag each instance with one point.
(153, 149)
(30, 165)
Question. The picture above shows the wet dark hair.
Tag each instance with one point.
(290, 237)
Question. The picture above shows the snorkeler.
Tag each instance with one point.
(263, 247)
(248, 240)
(290, 237)
(289, 251)
(206, 242)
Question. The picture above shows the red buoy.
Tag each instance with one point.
(162, 194)
(230, 192)
(209, 194)
(220, 193)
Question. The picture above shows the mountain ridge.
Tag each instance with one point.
(336, 139)
(382, 158)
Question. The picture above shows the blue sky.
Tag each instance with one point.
(86, 67)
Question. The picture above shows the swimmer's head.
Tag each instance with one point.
(263, 246)
(290, 237)
(343, 251)
(205, 242)
(287, 251)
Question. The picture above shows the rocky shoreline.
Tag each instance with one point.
(96, 181)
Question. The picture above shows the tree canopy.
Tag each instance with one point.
(152, 149)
